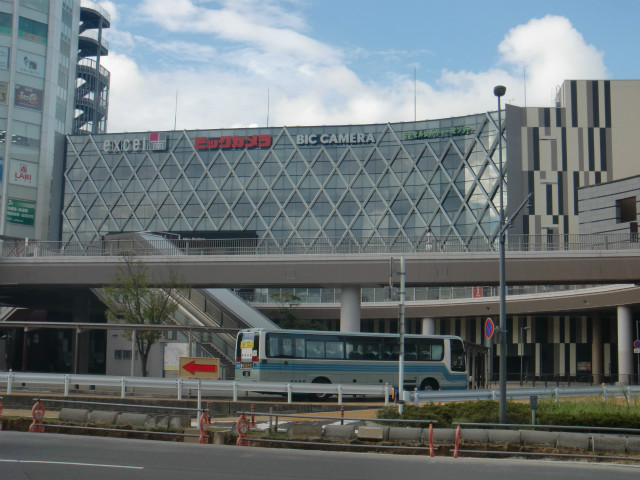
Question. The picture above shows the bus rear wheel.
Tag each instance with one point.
(320, 397)
(429, 384)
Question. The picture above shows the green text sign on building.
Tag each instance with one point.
(21, 212)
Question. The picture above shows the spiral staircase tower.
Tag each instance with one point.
(92, 85)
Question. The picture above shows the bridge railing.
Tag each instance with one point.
(313, 246)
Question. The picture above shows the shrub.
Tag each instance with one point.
(571, 413)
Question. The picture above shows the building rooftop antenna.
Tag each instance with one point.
(175, 112)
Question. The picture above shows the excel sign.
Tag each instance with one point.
(21, 212)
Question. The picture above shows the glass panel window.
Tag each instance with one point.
(25, 135)
(42, 5)
(6, 20)
(32, 30)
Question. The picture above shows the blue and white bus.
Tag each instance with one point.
(432, 362)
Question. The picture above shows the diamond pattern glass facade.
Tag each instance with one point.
(361, 181)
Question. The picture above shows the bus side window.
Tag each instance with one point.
(410, 351)
(335, 350)
(354, 351)
(315, 349)
(299, 348)
(287, 348)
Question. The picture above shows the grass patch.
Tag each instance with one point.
(591, 413)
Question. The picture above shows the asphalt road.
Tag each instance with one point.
(45, 456)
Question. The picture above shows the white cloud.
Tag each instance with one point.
(111, 10)
(309, 83)
(551, 50)
(239, 22)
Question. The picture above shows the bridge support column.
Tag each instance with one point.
(625, 345)
(596, 350)
(428, 326)
(350, 309)
(81, 312)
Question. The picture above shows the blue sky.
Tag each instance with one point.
(234, 63)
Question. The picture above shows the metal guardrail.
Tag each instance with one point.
(606, 392)
(127, 385)
(170, 386)
(315, 246)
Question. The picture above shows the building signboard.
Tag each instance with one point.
(335, 138)
(28, 97)
(437, 133)
(4, 93)
(23, 173)
(30, 63)
(21, 212)
(155, 142)
(227, 142)
(32, 30)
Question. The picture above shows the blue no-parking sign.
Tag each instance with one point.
(489, 328)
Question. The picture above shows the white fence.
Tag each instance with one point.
(133, 386)
(605, 392)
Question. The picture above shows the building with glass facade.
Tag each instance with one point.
(38, 53)
(39, 45)
(360, 181)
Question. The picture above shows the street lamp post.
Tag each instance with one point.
(499, 91)
(522, 330)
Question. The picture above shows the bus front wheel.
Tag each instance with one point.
(320, 397)
(429, 384)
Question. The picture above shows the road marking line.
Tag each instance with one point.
(6, 460)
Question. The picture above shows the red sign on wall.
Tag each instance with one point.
(227, 142)
(477, 292)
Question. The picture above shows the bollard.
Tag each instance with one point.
(431, 454)
(0, 414)
(341, 414)
(271, 419)
(38, 414)
(243, 429)
(455, 451)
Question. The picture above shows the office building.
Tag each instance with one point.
(40, 41)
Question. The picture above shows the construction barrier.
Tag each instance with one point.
(38, 414)
(203, 423)
(457, 442)
(431, 453)
(243, 429)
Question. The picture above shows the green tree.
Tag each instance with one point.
(130, 300)
(285, 315)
